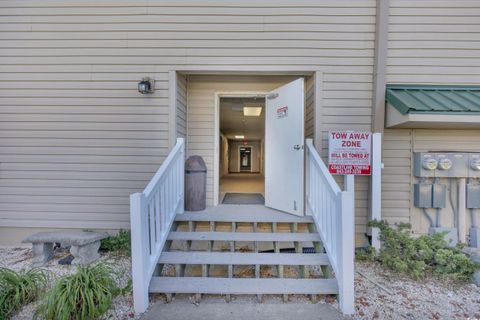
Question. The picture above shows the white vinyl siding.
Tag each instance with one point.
(434, 41)
(430, 42)
(396, 181)
(77, 138)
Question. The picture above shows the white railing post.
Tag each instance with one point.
(181, 206)
(376, 187)
(140, 254)
(346, 252)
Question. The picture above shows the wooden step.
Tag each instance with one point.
(242, 286)
(244, 236)
(243, 258)
(244, 217)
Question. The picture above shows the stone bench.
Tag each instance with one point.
(84, 245)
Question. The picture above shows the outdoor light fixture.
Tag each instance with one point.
(147, 85)
(239, 137)
(252, 111)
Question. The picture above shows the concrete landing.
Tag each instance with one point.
(241, 310)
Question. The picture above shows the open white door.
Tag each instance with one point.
(284, 138)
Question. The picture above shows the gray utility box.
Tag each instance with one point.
(426, 195)
(421, 161)
(451, 235)
(422, 195)
(439, 195)
(446, 165)
(473, 196)
(456, 162)
(474, 165)
(475, 237)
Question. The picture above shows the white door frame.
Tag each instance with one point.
(216, 149)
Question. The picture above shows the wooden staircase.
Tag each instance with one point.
(236, 254)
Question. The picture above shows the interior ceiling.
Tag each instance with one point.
(233, 122)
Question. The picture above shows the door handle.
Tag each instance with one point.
(297, 147)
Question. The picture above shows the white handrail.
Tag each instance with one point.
(151, 215)
(333, 212)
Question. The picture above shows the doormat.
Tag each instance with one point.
(243, 198)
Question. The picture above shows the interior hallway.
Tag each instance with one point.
(242, 183)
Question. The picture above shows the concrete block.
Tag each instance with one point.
(86, 254)
(42, 253)
(451, 237)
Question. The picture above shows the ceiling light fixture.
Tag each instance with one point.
(252, 111)
(239, 137)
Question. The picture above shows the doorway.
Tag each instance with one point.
(242, 133)
(201, 121)
(245, 160)
(277, 119)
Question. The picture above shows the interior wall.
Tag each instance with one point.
(234, 155)
(224, 151)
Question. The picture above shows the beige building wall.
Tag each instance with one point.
(430, 42)
(77, 138)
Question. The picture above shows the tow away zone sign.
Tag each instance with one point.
(349, 152)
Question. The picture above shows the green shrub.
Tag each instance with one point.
(419, 257)
(87, 294)
(19, 288)
(120, 243)
(365, 254)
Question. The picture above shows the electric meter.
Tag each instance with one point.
(445, 164)
(475, 164)
(429, 164)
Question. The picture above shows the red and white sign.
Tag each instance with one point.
(349, 152)
(282, 112)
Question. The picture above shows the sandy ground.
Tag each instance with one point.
(380, 294)
(403, 298)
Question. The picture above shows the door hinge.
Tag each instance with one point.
(294, 205)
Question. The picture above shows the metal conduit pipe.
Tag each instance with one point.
(430, 220)
(438, 222)
(454, 211)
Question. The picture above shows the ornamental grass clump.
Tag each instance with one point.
(87, 294)
(422, 256)
(19, 288)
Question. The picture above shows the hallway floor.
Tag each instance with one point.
(242, 183)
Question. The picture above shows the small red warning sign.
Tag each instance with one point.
(282, 112)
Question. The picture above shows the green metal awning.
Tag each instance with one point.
(408, 99)
(410, 106)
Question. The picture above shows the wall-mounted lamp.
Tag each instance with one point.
(147, 85)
